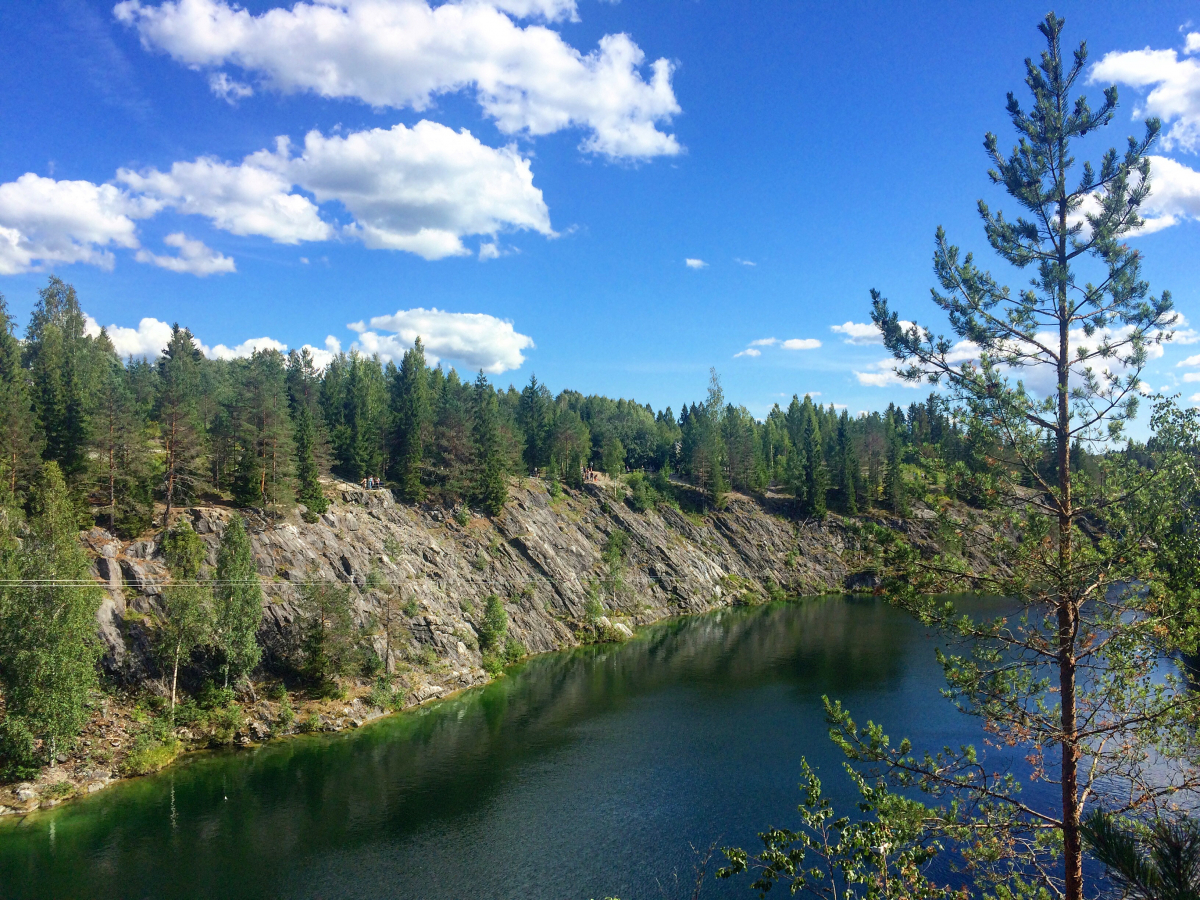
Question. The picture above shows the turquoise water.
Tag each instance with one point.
(587, 773)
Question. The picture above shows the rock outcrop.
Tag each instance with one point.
(541, 555)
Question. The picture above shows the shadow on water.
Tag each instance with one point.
(584, 773)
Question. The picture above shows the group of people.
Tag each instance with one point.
(590, 475)
(371, 482)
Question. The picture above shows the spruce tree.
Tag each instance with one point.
(20, 440)
(120, 452)
(48, 643)
(178, 418)
(264, 427)
(893, 478)
(848, 474)
(302, 390)
(816, 475)
(410, 422)
(491, 484)
(535, 419)
(59, 358)
(237, 603)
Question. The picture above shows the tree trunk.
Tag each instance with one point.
(174, 679)
(1067, 609)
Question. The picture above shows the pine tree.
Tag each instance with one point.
(237, 603)
(1067, 676)
(48, 644)
(20, 440)
(410, 422)
(491, 485)
(178, 419)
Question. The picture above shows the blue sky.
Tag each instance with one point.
(516, 166)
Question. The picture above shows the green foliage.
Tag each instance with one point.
(48, 644)
(177, 409)
(303, 385)
(494, 625)
(410, 422)
(183, 551)
(20, 439)
(1158, 861)
(150, 754)
(237, 607)
(331, 642)
(187, 624)
(884, 853)
(491, 486)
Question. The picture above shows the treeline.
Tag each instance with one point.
(260, 431)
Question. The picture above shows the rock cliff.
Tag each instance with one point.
(541, 555)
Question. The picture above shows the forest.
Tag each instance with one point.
(136, 438)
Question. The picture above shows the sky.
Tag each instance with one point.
(614, 196)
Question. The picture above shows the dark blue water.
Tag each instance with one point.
(590, 773)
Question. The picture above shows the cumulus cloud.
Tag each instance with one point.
(1174, 84)
(884, 377)
(146, 341)
(323, 356)
(194, 258)
(251, 198)
(228, 89)
(418, 189)
(695, 264)
(801, 344)
(404, 53)
(764, 342)
(749, 351)
(1190, 361)
(46, 221)
(244, 349)
(1174, 194)
(478, 340)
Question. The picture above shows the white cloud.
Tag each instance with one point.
(324, 356)
(195, 257)
(1174, 84)
(228, 89)
(147, 340)
(764, 342)
(1174, 194)
(744, 262)
(244, 349)
(801, 344)
(695, 264)
(404, 53)
(476, 339)
(252, 198)
(1191, 376)
(46, 221)
(419, 189)
(862, 333)
(1194, 399)
(489, 250)
(1190, 361)
(885, 378)
(749, 351)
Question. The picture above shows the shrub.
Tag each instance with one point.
(287, 715)
(494, 626)
(310, 723)
(149, 755)
(183, 551)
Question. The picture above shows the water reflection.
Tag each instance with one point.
(582, 774)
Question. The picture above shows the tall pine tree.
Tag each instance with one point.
(20, 439)
(178, 418)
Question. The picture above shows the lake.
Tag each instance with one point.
(583, 774)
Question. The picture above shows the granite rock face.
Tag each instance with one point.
(542, 556)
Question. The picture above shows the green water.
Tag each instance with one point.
(588, 773)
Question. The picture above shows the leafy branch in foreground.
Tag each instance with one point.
(883, 854)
